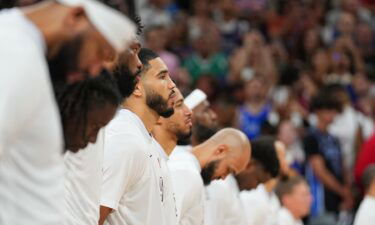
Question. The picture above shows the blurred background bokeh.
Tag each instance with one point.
(261, 62)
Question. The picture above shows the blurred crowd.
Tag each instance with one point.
(288, 68)
(262, 63)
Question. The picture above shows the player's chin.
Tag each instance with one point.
(76, 147)
(73, 149)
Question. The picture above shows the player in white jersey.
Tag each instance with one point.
(295, 198)
(168, 131)
(83, 170)
(228, 151)
(257, 182)
(50, 40)
(133, 185)
(365, 214)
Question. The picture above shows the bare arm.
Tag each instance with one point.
(104, 212)
(325, 176)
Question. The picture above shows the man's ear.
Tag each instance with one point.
(250, 165)
(159, 121)
(138, 90)
(76, 20)
(221, 151)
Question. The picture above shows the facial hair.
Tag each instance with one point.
(158, 104)
(208, 172)
(183, 135)
(125, 79)
(202, 133)
(65, 61)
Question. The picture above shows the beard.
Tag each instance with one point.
(158, 104)
(183, 135)
(208, 172)
(125, 79)
(202, 133)
(65, 61)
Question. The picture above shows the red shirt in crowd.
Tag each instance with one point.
(365, 158)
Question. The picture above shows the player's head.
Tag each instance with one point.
(294, 194)
(205, 123)
(153, 86)
(228, 151)
(179, 124)
(326, 107)
(263, 166)
(81, 37)
(85, 108)
(130, 56)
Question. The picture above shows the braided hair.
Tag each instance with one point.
(76, 100)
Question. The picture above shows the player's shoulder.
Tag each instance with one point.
(16, 43)
(21, 57)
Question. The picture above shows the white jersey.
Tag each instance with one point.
(31, 164)
(188, 187)
(223, 205)
(83, 180)
(180, 149)
(365, 214)
(168, 195)
(132, 185)
(259, 205)
(284, 217)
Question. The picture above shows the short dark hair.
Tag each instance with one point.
(326, 101)
(76, 100)
(264, 152)
(368, 176)
(286, 186)
(146, 55)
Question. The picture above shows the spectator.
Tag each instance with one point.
(156, 39)
(206, 58)
(366, 154)
(295, 156)
(350, 126)
(256, 109)
(326, 172)
(231, 28)
(295, 197)
(156, 13)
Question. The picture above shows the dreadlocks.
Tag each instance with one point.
(76, 100)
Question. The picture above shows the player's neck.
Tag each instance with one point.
(271, 184)
(148, 116)
(371, 191)
(202, 153)
(294, 214)
(167, 141)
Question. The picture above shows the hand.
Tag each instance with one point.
(347, 199)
